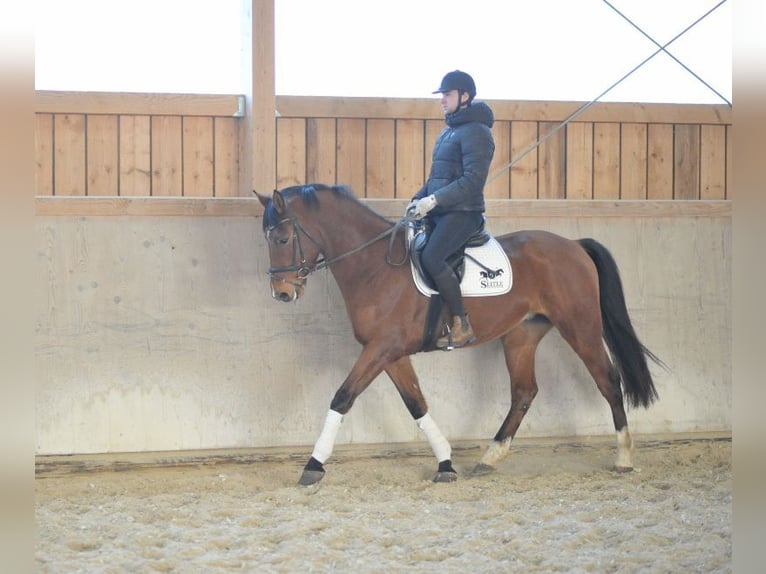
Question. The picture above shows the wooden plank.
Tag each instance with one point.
(320, 150)
(167, 156)
(224, 105)
(659, 169)
(381, 150)
(351, 153)
(713, 162)
(433, 129)
(43, 154)
(226, 158)
(579, 160)
(524, 172)
(69, 154)
(500, 175)
(135, 155)
(56, 102)
(552, 164)
(263, 152)
(410, 157)
(291, 152)
(686, 183)
(729, 163)
(46, 206)
(633, 161)
(102, 141)
(198, 156)
(606, 161)
(504, 110)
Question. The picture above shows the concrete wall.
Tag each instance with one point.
(159, 333)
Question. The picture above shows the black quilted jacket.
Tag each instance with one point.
(461, 158)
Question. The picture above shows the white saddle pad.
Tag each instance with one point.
(496, 279)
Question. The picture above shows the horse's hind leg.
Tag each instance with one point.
(520, 346)
(585, 338)
(406, 381)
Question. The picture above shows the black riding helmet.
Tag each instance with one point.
(460, 81)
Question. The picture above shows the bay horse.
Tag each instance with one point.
(572, 285)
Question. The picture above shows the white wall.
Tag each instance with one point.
(159, 333)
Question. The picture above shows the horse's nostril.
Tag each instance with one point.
(284, 297)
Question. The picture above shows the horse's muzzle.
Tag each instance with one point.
(286, 291)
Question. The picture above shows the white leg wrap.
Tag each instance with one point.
(326, 441)
(436, 439)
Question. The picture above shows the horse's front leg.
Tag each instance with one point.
(368, 366)
(403, 376)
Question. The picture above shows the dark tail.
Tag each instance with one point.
(628, 353)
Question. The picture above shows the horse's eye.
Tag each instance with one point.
(281, 240)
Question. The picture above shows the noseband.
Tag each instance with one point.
(303, 269)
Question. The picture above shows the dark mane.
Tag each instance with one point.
(308, 194)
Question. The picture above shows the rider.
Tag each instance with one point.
(453, 196)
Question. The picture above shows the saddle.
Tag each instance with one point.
(456, 261)
(481, 265)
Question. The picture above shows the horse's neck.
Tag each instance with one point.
(355, 226)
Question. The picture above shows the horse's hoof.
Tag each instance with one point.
(481, 469)
(310, 477)
(448, 476)
(622, 469)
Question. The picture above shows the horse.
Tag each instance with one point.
(572, 285)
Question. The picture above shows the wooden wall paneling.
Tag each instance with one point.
(633, 161)
(167, 156)
(712, 162)
(606, 161)
(659, 161)
(102, 144)
(524, 173)
(579, 160)
(410, 157)
(43, 154)
(198, 170)
(320, 150)
(69, 154)
(291, 152)
(381, 154)
(135, 155)
(351, 154)
(500, 186)
(686, 157)
(226, 158)
(552, 164)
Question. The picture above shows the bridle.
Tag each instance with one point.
(301, 267)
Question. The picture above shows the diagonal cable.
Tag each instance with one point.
(679, 62)
(585, 106)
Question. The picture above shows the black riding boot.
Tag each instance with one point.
(460, 331)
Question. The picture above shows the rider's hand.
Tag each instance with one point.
(422, 207)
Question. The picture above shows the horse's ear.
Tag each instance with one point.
(279, 202)
(262, 198)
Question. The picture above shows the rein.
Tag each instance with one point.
(303, 269)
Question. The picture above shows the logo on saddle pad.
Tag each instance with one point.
(487, 272)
